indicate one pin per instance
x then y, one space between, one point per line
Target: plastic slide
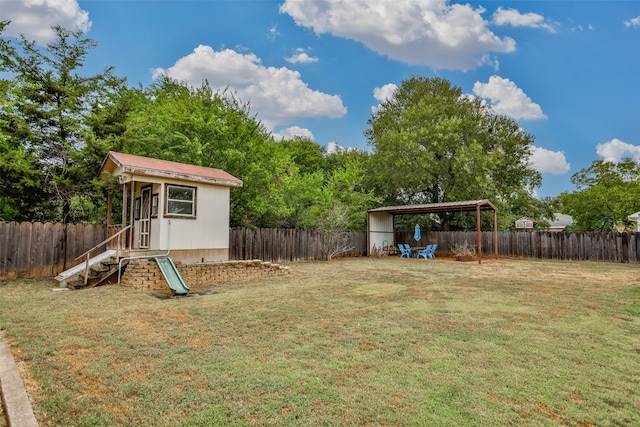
171 275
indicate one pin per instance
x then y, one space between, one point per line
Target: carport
381 221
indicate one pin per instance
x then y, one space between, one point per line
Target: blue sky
567 71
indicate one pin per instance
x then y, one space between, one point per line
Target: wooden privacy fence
576 246
282 244
37 249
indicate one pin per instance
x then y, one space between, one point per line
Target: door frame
145 217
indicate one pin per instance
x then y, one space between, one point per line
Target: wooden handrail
104 242
88 253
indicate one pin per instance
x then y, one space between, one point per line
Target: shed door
145 218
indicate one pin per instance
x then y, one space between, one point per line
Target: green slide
172 276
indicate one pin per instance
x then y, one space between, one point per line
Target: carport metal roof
464 206
470 205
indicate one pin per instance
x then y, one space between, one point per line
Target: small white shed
635 217
173 206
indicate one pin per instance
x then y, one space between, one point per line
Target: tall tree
607 193
432 144
49 106
173 121
19 174
306 154
322 185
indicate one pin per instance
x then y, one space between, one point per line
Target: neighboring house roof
634 216
525 218
561 220
138 165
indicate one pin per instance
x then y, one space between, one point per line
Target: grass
350 342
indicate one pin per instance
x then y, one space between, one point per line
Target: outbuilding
173 206
381 229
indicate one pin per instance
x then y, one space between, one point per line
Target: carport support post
479 234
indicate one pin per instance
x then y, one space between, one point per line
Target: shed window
181 201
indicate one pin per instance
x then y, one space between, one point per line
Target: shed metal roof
138 165
465 206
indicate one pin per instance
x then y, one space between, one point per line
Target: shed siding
210 228
380 230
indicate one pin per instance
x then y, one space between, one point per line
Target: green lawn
350 342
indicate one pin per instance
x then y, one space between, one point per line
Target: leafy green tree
307 155
171 120
322 185
18 171
19 174
304 199
47 105
606 194
432 144
347 186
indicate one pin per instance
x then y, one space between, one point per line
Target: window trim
137 209
154 205
167 200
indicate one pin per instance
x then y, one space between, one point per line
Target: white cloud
418 32
633 22
334 147
516 19
547 161
382 94
34 18
278 95
301 57
508 99
292 132
273 32
615 150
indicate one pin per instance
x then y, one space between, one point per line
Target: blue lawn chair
424 253
428 252
404 251
412 253
432 250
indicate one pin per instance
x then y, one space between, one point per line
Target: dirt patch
551 414
169 296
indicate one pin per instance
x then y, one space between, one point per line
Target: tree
432 144
334 229
319 181
346 186
171 120
307 155
47 105
19 175
606 194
